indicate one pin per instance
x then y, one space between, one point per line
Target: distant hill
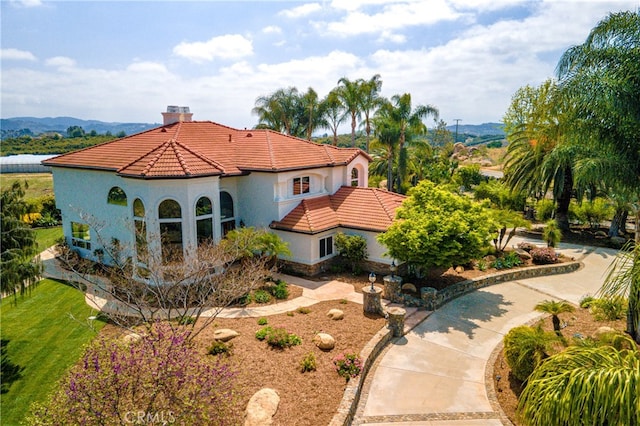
17 126
484 129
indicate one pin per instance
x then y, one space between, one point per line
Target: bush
187 320
218 347
261 296
551 234
609 309
308 363
500 195
262 321
594 212
303 310
544 256
468 176
263 332
352 248
586 301
525 348
544 210
280 290
508 261
348 365
279 338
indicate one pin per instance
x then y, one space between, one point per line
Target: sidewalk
435 374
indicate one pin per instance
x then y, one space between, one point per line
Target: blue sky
126 61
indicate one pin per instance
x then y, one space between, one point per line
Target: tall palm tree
387 135
583 385
333 113
554 308
312 115
600 77
408 122
350 94
279 110
370 101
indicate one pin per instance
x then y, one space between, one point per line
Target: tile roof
204 148
369 209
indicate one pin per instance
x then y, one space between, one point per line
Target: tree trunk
556 324
618 223
390 172
353 130
563 201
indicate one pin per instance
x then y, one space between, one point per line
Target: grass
45 340
47 237
40 184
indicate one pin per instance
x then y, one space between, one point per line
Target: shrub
308 363
525 348
262 321
261 296
544 256
468 176
280 290
594 212
348 365
482 265
551 234
280 338
352 248
544 210
187 320
263 332
508 261
609 308
343 301
586 301
218 347
303 310
500 195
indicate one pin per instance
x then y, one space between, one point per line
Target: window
227 218
301 185
170 218
80 235
326 246
354 177
117 196
204 220
140 229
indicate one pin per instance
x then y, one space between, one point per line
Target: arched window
227 218
140 226
170 218
355 181
204 220
117 196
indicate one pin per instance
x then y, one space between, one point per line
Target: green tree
333 114
551 234
554 308
370 101
584 385
312 114
279 110
350 94
437 228
75 132
18 269
600 79
353 248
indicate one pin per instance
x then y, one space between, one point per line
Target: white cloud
387 35
148 67
26 3
230 46
301 11
272 29
60 62
16 55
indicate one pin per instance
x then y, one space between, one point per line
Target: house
191 181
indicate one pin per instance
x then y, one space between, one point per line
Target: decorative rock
603 330
132 338
523 254
335 314
324 341
224 334
489 258
409 287
261 408
459 269
618 241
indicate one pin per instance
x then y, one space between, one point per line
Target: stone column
395 320
371 300
393 288
428 296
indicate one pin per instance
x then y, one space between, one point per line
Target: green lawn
44 340
40 184
48 236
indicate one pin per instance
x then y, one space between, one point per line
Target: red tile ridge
307 216
390 215
272 157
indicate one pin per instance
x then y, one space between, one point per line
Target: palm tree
387 135
279 110
600 77
370 101
351 96
583 385
312 114
554 308
623 280
333 113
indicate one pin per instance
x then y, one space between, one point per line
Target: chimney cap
178 109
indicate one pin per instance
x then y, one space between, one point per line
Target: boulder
409 287
617 242
523 254
224 334
261 408
489 258
131 338
335 314
324 341
603 330
459 269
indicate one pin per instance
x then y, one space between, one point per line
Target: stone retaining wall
349 404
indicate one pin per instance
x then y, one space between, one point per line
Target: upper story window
117 196
204 220
170 218
227 217
355 181
301 185
80 235
140 229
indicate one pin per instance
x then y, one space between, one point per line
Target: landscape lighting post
372 280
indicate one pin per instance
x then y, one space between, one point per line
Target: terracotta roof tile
350 207
198 148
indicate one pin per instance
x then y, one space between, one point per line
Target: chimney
176 114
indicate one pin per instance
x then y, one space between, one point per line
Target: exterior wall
256 205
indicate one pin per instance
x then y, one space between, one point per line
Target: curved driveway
435 374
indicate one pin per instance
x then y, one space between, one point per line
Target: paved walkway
435 374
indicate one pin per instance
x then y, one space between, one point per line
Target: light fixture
372 279
393 268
